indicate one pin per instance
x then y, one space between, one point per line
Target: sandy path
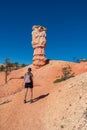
17 115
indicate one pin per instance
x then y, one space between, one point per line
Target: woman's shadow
40 97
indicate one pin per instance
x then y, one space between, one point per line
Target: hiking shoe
31 100
24 101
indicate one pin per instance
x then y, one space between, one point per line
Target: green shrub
67 73
2 68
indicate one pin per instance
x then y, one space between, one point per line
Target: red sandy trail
55 107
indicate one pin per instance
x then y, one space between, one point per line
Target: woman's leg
31 93
26 91
31 100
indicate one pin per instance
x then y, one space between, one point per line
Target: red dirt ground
56 106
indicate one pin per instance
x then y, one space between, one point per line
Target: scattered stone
62 117
70 105
59 90
80 97
62 126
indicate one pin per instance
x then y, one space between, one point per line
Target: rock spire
39 44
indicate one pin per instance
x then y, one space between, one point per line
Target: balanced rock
39 43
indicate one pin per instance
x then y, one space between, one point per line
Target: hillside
56 106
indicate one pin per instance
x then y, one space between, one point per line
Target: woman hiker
28 79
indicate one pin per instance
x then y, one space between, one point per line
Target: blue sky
65 20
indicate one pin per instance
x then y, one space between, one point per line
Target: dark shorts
28 85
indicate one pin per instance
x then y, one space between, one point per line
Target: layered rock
39 43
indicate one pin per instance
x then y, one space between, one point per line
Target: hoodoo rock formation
39 43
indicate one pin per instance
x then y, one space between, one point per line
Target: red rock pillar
39 43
